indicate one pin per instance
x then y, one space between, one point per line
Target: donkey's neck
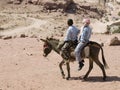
56 50
55 46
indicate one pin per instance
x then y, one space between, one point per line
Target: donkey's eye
47 50
45 45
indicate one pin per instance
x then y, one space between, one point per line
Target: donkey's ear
47 38
43 40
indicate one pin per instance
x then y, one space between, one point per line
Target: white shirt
72 33
85 34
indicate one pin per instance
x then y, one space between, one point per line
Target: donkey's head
47 48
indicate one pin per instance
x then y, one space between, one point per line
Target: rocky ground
22 65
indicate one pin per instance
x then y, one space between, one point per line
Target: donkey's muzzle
44 55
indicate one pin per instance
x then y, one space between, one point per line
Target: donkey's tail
103 58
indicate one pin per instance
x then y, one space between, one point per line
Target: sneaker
83 61
80 66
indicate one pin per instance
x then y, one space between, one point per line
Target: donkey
94 49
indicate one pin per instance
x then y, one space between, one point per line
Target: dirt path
23 67
35 23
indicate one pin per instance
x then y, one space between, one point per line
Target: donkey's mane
54 43
53 39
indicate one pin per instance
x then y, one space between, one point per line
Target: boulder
58 4
114 41
114 27
7 37
15 1
23 36
118 1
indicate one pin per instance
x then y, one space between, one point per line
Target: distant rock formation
47 4
51 4
63 6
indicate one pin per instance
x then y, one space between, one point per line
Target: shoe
83 61
80 65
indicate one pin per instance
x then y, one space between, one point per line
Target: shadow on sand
97 79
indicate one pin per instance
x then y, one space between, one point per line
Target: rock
51 4
101 43
62 4
114 41
15 1
1 36
1 29
114 27
98 27
6 37
33 36
10 1
29 54
118 1
22 35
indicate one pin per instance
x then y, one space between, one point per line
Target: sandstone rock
114 27
23 36
114 41
6 37
52 4
15 1
118 1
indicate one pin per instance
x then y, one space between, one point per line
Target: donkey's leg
61 69
68 70
101 66
90 68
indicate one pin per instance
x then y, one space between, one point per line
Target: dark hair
70 22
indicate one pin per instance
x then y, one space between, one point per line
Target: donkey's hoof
63 77
84 79
68 78
104 78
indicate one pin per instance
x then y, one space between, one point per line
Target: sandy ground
24 68
22 65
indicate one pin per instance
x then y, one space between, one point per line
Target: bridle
47 49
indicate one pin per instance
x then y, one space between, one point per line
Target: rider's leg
78 50
65 48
